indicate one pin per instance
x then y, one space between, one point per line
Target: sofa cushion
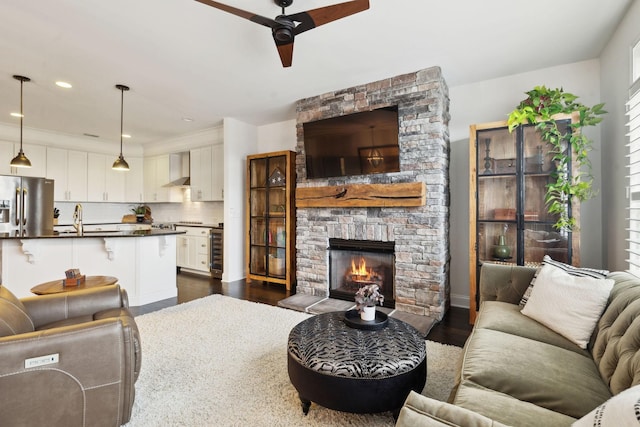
506 317
421 411
504 283
531 371
506 409
14 318
570 269
568 304
619 411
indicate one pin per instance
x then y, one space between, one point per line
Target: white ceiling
182 58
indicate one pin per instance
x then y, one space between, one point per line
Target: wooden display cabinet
270 246
508 218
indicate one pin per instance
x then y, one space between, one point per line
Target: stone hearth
421 234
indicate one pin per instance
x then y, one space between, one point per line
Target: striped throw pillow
570 269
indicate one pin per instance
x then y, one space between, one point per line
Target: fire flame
360 270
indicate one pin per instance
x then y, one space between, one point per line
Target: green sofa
515 371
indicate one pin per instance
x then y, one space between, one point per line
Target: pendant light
21 161
374 157
121 164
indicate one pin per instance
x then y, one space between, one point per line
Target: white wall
240 140
615 83
277 137
490 101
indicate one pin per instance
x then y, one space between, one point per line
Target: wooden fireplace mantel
362 195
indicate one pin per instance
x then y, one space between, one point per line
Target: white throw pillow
569 305
574 271
619 411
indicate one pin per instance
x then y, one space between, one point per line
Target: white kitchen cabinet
201 174
149 179
104 184
134 181
193 248
183 251
159 171
207 173
68 168
77 176
217 165
6 154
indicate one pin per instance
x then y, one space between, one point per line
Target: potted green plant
140 211
366 299
540 108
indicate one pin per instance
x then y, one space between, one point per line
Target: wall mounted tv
354 144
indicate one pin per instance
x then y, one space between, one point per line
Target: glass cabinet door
539 237
268 201
497 195
258 220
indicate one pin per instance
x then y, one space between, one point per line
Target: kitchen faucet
77 219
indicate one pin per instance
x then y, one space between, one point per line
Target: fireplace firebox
356 263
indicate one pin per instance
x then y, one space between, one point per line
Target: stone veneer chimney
421 234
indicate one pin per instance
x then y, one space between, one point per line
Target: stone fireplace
419 234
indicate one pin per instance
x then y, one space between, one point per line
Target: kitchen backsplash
206 212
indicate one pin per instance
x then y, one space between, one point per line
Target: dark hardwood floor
453 329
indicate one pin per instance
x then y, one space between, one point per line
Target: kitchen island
144 261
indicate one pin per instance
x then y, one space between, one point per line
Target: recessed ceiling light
124 135
64 84
17 115
187 119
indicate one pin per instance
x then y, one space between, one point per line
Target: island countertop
90 234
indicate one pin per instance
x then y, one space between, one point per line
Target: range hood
184 181
179 165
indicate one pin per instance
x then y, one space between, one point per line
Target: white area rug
220 361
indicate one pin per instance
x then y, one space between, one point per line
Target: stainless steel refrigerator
26 205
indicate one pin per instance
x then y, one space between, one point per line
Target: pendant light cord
21 113
121 115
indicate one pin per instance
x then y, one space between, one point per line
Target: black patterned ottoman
355 370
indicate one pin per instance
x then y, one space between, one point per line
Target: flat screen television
353 144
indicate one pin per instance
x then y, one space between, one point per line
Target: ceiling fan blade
285 50
323 15
267 22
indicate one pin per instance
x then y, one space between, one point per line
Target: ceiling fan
284 28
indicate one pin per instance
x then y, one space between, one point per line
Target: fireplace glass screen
356 263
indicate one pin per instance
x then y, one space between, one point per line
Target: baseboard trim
461 301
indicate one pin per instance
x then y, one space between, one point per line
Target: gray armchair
68 359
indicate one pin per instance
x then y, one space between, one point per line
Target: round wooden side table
57 286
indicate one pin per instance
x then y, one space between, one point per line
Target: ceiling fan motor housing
283 33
